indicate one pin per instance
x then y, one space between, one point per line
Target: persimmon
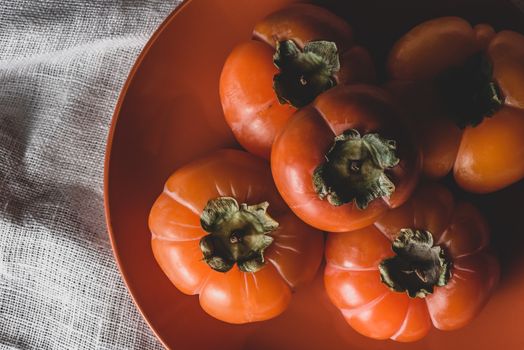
463 86
426 263
346 159
295 54
220 230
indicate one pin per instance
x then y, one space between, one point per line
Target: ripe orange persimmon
424 263
296 53
220 230
345 160
463 87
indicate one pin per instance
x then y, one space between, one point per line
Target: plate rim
108 152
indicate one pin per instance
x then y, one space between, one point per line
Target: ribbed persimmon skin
303 143
484 158
235 297
250 105
352 278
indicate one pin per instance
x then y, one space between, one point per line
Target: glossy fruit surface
484 157
250 103
307 138
292 258
353 280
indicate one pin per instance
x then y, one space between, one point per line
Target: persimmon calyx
304 74
418 265
354 169
469 91
237 234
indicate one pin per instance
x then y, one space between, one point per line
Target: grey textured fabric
62 66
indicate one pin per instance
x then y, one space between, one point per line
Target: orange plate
169 113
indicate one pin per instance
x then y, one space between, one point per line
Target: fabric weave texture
62 66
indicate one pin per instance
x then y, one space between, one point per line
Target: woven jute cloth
62 66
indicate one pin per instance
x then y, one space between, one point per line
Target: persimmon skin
235 297
492 153
506 51
436 135
352 278
435 46
304 23
484 33
430 48
251 107
301 147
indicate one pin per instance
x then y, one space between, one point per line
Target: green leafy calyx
469 92
355 169
418 265
237 234
304 74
